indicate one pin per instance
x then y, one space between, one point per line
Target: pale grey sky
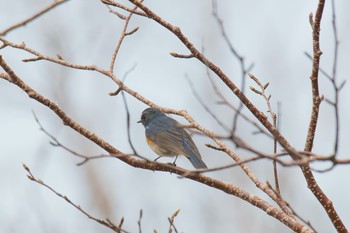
271 34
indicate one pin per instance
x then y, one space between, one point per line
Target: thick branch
312 184
154 166
183 113
259 115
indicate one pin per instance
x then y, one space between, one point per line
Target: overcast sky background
271 34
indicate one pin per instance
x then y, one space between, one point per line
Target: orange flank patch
149 141
152 145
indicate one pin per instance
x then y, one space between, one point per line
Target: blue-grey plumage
166 137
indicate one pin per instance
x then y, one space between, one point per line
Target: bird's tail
196 160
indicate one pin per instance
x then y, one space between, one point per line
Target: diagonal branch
57 143
225 101
312 184
116 4
255 111
171 222
106 222
229 188
240 58
136 95
24 22
122 37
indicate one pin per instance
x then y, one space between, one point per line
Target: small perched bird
166 137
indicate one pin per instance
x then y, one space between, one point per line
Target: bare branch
263 88
294 213
121 6
316 99
154 166
307 222
300 158
59 144
120 224
181 55
228 103
122 37
26 21
113 151
234 52
334 77
195 93
139 222
123 17
171 222
326 203
128 113
259 115
106 222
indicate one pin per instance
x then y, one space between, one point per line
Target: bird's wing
172 139
168 136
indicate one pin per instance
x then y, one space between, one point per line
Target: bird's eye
143 117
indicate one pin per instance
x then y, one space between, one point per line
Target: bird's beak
139 121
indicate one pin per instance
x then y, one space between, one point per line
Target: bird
167 137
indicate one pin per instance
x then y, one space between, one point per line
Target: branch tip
132 31
26 167
311 20
59 57
341 85
266 85
181 55
255 90
115 92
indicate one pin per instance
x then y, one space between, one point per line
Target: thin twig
153 166
275 173
293 212
225 101
335 104
106 222
36 15
177 55
112 150
274 157
121 6
334 77
254 110
259 115
127 111
139 221
274 122
123 17
329 77
307 222
57 143
240 58
171 222
121 38
120 224
195 93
